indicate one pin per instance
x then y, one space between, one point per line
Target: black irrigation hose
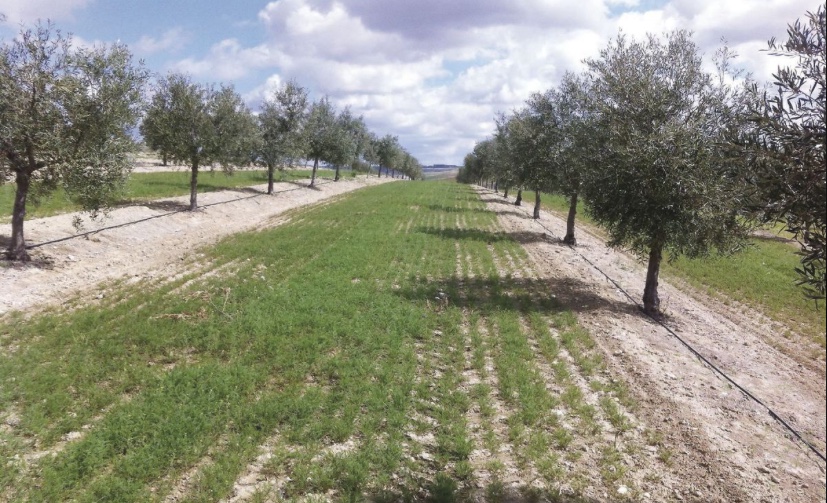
89 233
695 352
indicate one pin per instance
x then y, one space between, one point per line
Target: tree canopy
281 123
199 126
786 146
66 114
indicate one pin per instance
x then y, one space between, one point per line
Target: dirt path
152 247
708 423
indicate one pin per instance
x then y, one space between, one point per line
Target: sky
434 73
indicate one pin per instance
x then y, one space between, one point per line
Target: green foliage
198 126
280 123
660 180
786 147
65 120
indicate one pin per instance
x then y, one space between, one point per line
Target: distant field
441 174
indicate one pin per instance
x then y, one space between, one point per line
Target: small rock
437 333
764 469
426 457
623 490
775 479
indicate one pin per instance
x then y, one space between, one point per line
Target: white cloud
171 41
436 72
28 11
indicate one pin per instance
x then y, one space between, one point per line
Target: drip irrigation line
153 217
695 352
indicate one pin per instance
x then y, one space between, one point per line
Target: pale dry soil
719 437
142 242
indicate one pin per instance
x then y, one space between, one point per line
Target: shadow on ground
487 236
486 294
445 489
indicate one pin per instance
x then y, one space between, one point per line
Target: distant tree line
672 159
67 115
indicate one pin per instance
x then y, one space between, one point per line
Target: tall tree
200 126
65 120
280 123
661 181
786 147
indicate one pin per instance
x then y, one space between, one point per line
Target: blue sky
433 72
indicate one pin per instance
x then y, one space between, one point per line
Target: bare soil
720 437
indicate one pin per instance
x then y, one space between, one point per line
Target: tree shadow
487 236
488 294
166 206
249 190
442 488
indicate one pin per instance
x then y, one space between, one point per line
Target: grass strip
143 187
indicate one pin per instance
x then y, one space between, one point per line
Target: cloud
436 72
171 41
28 11
228 60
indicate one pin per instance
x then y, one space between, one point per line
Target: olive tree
388 153
65 119
351 142
565 139
322 135
280 123
660 181
199 126
786 147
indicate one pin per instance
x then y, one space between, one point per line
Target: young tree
786 147
280 123
322 135
65 120
200 126
565 139
661 181
353 134
388 152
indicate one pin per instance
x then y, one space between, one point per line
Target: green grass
148 186
762 276
342 340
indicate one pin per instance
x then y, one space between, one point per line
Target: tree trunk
651 301
270 169
313 176
17 247
496 186
505 193
570 239
536 204
519 201
164 159
336 178
379 170
194 186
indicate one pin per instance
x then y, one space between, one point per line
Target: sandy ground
142 241
711 424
